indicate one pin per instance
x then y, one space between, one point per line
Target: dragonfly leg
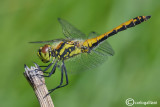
47 67
52 71
62 69
44 66
50 91
65 75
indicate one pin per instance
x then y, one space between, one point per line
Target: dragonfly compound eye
44 53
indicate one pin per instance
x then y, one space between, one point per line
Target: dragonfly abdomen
131 23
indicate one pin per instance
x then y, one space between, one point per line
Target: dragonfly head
45 53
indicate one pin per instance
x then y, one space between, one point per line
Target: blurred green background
133 72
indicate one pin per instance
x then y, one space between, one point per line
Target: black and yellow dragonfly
77 44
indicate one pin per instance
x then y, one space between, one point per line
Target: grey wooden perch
38 84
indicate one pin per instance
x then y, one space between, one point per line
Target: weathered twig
33 75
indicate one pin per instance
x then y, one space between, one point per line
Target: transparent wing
90 60
70 31
84 62
50 41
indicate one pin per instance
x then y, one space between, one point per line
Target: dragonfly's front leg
47 67
52 71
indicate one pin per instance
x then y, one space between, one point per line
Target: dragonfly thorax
45 53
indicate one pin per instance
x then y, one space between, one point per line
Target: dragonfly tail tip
148 17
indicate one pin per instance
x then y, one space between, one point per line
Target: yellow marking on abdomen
131 23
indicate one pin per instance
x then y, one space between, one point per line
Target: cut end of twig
33 75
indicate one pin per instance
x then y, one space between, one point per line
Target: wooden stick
33 75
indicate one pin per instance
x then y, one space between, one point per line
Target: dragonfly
92 49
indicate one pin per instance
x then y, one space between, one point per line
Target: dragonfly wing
84 62
104 48
50 41
70 31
